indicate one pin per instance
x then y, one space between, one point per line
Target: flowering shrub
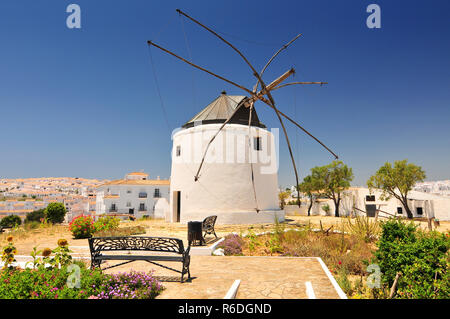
132 285
49 278
106 223
82 227
46 283
232 245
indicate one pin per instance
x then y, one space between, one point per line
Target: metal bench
173 246
208 226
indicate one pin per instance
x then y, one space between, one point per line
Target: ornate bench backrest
208 222
162 244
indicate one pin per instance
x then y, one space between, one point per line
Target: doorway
177 206
131 211
371 210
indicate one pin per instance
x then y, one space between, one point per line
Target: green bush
82 227
55 213
10 221
420 257
106 223
35 216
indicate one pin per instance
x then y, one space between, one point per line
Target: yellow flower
46 252
62 242
9 238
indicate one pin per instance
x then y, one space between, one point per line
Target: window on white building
142 195
141 207
128 204
157 193
178 150
419 210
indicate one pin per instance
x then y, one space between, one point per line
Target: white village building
360 201
135 194
224 187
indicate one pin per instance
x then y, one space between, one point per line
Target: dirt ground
261 277
48 237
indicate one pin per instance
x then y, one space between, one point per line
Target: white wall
224 186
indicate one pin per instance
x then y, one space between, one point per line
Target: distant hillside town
441 188
21 196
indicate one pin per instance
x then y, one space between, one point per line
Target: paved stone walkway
261 277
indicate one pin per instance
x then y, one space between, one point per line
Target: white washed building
224 187
135 194
360 201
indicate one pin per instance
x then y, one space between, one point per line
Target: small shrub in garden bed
10 221
82 227
232 245
106 223
132 285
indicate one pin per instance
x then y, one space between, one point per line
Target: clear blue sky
84 102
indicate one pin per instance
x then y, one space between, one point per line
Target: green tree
55 212
397 181
309 187
282 196
332 180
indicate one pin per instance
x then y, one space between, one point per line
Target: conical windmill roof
219 110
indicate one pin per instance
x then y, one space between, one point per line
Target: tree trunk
336 207
310 205
408 211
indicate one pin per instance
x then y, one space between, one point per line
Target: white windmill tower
226 187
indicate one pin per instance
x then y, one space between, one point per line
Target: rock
218 252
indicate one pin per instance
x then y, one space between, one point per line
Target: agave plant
364 228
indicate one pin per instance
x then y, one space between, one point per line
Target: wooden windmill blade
284 47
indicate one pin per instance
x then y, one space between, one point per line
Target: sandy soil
48 237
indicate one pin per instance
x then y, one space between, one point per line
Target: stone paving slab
261 277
